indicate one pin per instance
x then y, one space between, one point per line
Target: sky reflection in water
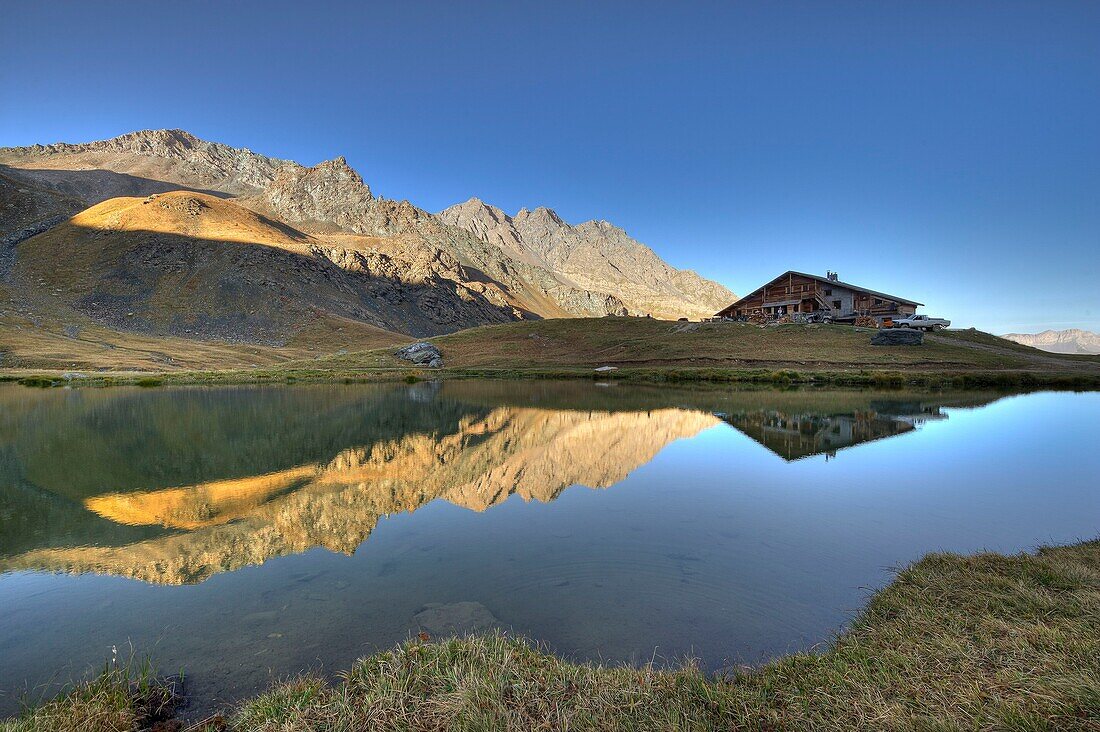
248 533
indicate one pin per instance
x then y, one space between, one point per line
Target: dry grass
121 699
656 350
646 343
642 342
987 642
642 349
58 337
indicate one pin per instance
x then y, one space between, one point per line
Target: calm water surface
249 533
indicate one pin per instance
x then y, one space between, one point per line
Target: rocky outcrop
421 354
455 618
329 193
897 337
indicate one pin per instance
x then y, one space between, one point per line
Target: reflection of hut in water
793 436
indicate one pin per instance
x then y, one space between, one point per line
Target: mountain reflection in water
173 486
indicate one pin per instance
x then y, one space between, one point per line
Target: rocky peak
187 159
597 257
476 210
331 192
540 216
490 225
338 166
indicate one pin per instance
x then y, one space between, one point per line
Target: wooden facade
794 293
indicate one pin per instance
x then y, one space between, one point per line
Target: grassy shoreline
1008 379
983 642
642 350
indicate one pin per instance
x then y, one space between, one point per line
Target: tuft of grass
149 382
123 698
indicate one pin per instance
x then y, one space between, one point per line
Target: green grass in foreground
987 642
121 698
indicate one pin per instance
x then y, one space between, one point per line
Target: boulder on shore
897 337
421 354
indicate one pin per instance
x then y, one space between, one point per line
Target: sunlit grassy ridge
987 642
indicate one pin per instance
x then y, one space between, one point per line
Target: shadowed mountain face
436 273
173 486
187 263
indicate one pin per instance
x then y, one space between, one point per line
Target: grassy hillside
987 642
39 331
189 265
637 345
644 342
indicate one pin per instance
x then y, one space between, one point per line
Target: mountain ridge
593 255
1070 340
533 265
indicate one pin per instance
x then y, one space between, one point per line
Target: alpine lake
247 534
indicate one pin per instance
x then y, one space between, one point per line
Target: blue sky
947 152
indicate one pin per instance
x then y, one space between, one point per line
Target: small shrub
40 382
889 380
783 377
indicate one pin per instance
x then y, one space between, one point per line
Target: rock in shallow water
456 618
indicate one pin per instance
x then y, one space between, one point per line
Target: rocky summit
593 257
232 266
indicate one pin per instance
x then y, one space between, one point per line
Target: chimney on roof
832 276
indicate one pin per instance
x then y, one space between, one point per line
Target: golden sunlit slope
194 266
191 214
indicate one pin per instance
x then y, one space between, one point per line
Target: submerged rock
421 354
456 618
897 337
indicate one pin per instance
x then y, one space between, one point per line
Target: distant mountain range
143 233
1060 341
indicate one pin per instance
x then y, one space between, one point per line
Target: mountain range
162 234
1073 340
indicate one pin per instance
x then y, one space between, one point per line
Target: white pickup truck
921 322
